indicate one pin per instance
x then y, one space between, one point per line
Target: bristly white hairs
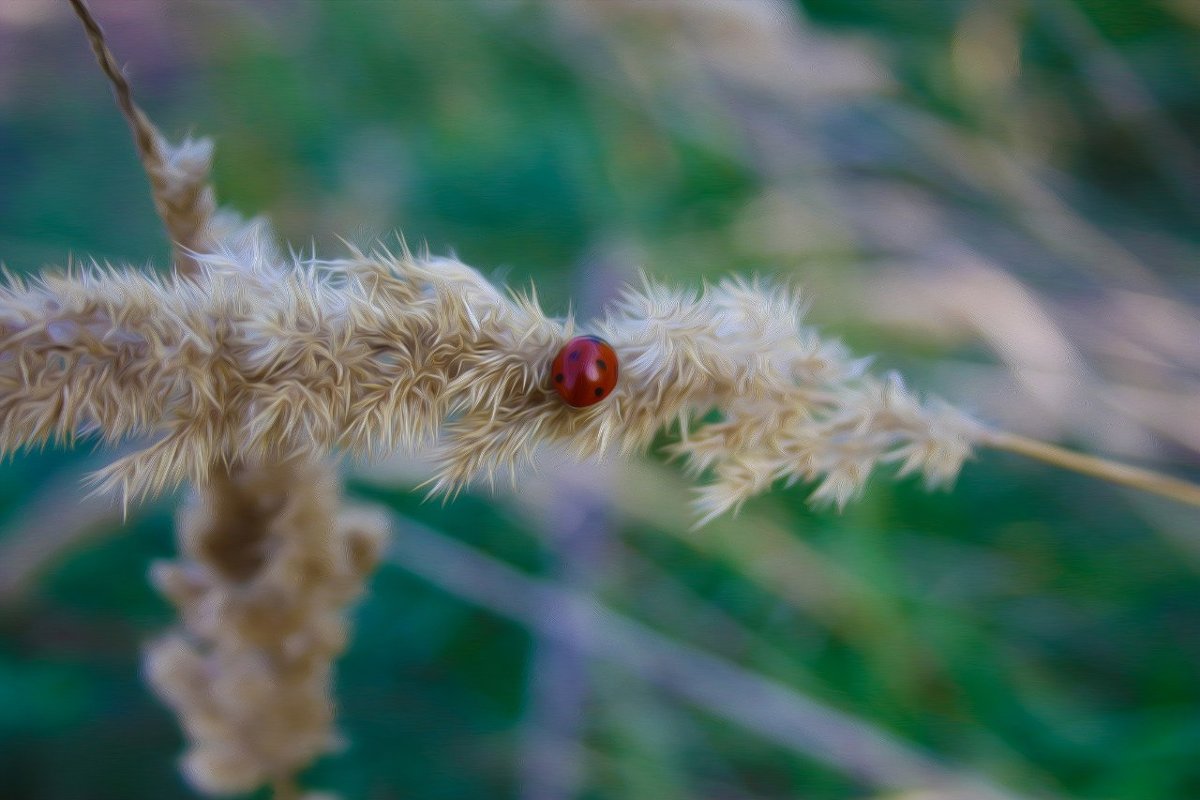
255 359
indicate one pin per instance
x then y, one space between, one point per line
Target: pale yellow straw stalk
1124 474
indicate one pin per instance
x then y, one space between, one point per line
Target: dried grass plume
265 575
256 359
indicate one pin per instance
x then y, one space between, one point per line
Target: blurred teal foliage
1033 626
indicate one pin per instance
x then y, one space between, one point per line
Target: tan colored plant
266 572
260 361
250 369
270 560
256 359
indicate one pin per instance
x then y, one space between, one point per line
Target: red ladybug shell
585 371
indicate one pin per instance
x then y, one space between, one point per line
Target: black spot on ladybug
559 377
600 363
599 391
574 355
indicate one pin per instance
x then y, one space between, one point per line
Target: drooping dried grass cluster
265 575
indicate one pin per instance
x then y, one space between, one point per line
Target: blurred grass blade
778 713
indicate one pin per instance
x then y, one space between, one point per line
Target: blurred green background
998 198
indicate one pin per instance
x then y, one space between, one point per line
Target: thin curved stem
1124 474
144 133
178 175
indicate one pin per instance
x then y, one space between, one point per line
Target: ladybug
584 371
